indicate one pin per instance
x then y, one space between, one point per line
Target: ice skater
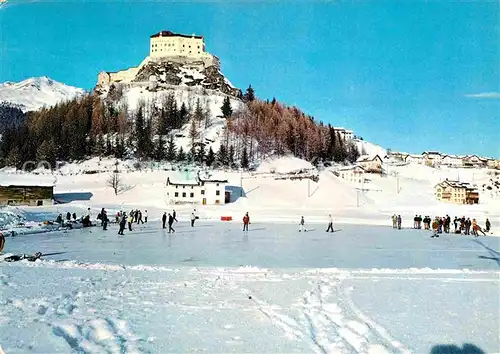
145 216
399 222
174 215
394 221
488 225
170 223
164 220
123 222
476 229
301 225
193 219
246 221
104 219
130 220
330 224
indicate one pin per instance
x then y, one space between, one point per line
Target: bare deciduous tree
115 182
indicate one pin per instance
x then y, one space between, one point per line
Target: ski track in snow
94 318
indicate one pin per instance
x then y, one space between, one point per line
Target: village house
26 190
474 161
432 158
452 161
493 163
351 174
456 192
196 191
414 159
371 164
345 134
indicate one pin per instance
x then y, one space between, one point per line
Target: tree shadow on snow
467 348
494 255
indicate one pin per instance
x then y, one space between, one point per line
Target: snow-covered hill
369 149
36 92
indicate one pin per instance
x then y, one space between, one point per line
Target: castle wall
191 47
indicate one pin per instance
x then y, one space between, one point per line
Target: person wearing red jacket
246 221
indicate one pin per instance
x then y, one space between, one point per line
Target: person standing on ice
488 225
164 219
193 218
123 222
170 223
130 220
415 222
394 221
104 219
139 218
145 216
246 221
301 225
399 222
174 215
330 224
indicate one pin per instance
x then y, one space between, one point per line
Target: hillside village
178 76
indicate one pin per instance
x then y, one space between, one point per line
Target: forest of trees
87 127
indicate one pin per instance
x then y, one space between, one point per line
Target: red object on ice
226 218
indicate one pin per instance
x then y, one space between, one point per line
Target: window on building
217 184
217 192
184 195
176 194
191 195
202 192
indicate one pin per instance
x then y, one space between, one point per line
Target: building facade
351 174
474 161
456 192
26 194
371 164
344 133
452 161
415 159
196 191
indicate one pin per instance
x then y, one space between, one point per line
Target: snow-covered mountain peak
36 92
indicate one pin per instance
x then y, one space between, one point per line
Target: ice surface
214 288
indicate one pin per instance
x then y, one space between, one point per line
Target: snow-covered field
213 288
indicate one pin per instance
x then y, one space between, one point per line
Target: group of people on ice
171 218
439 225
246 222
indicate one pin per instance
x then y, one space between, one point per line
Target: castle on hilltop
166 46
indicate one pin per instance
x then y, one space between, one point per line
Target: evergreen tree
201 154
249 94
181 155
46 152
244 158
193 134
226 109
99 145
183 117
159 150
109 146
222 156
210 157
198 112
171 149
352 152
120 147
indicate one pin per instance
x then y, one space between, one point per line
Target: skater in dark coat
330 224
399 222
164 219
74 216
139 218
123 222
174 215
68 216
104 219
301 225
488 225
170 223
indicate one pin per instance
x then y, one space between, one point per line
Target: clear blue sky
409 75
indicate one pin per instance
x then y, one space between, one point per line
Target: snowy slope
37 92
370 149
